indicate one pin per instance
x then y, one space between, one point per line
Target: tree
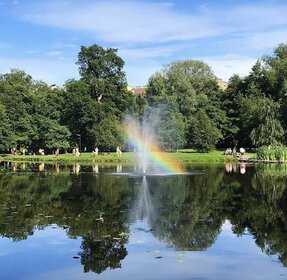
80 112
260 124
6 139
51 135
230 104
276 73
157 92
203 133
102 70
269 131
190 81
170 126
14 89
107 134
189 85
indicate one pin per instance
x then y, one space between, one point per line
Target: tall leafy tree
231 98
269 131
169 125
260 124
80 112
190 81
102 70
6 139
14 89
203 133
190 86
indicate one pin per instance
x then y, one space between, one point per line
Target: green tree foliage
33 111
168 125
203 133
157 92
6 137
14 89
260 125
94 106
107 134
80 112
251 112
102 70
256 104
231 103
52 135
190 81
190 86
269 131
37 116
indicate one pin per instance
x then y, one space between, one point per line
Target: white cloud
138 71
149 52
264 40
225 66
259 16
160 32
124 21
139 21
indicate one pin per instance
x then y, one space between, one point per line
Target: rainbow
149 151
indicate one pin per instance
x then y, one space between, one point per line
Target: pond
95 222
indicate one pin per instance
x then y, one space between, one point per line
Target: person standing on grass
118 151
57 152
234 151
242 151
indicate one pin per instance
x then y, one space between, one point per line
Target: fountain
143 210
152 161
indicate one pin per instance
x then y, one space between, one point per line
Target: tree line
192 110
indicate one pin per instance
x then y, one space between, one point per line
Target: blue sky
44 37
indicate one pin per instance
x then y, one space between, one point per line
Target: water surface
74 222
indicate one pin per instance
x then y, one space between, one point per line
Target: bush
274 153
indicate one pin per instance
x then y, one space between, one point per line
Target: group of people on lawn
75 151
233 151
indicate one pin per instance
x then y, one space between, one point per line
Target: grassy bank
187 156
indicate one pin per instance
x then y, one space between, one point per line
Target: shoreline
184 157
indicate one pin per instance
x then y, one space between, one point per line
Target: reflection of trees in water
261 209
98 255
271 181
271 227
92 207
24 201
189 209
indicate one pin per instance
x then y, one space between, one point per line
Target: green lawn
187 156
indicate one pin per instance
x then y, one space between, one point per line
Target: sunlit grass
185 155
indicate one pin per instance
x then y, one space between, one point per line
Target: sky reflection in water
58 216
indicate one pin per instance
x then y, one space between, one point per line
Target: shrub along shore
185 156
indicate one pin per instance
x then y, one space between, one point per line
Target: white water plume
143 209
141 135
